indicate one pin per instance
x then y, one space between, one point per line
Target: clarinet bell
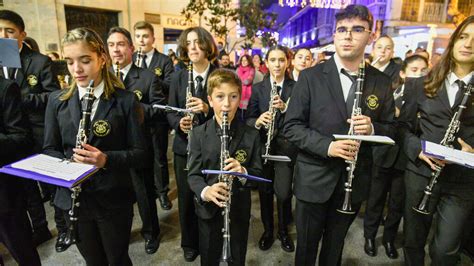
347 204
423 206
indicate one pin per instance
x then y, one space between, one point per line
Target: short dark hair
356 11
223 54
32 44
13 17
413 58
123 31
282 48
205 42
220 76
140 25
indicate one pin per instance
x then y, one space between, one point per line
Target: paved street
170 252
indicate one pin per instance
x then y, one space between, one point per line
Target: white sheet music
54 167
448 154
372 138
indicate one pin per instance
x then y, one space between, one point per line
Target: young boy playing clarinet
224 92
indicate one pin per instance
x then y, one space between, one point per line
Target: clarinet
81 137
189 95
138 60
448 139
270 127
226 255
351 165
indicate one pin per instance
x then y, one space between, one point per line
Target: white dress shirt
452 87
97 93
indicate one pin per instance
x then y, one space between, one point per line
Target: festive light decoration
336 4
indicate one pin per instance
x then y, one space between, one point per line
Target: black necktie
11 73
460 92
122 78
351 94
199 89
279 90
144 62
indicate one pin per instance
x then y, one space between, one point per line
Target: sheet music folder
367 138
51 170
448 154
9 53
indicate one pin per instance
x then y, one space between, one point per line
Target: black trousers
384 180
468 239
210 231
104 234
142 180
321 220
160 149
35 205
60 216
15 233
188 219
452 202
266 191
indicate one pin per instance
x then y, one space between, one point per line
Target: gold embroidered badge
372 102
241 156
158 72
101 128
139 94
32 80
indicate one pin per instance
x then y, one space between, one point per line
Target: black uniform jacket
393 71
149 90
177 98
391 155
15 140
387 156
205 154
163 68
259 103
317 111
36 82
435 114
120 138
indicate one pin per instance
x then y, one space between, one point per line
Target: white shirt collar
382 68
452 77
124 70
97 90
203 74
278 84
339 65
295 75
149 55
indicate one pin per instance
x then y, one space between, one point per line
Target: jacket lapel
75 108
335 88
238 133
443 96
131 77
25 64
369 86
154 61
102 110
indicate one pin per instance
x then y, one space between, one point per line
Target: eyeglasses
355 31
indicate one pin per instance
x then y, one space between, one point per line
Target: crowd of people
287 104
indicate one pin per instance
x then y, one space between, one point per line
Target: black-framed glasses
356 30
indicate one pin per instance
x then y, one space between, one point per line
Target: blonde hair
96 45
220 76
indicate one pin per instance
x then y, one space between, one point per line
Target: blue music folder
250 177
9 53
50 170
